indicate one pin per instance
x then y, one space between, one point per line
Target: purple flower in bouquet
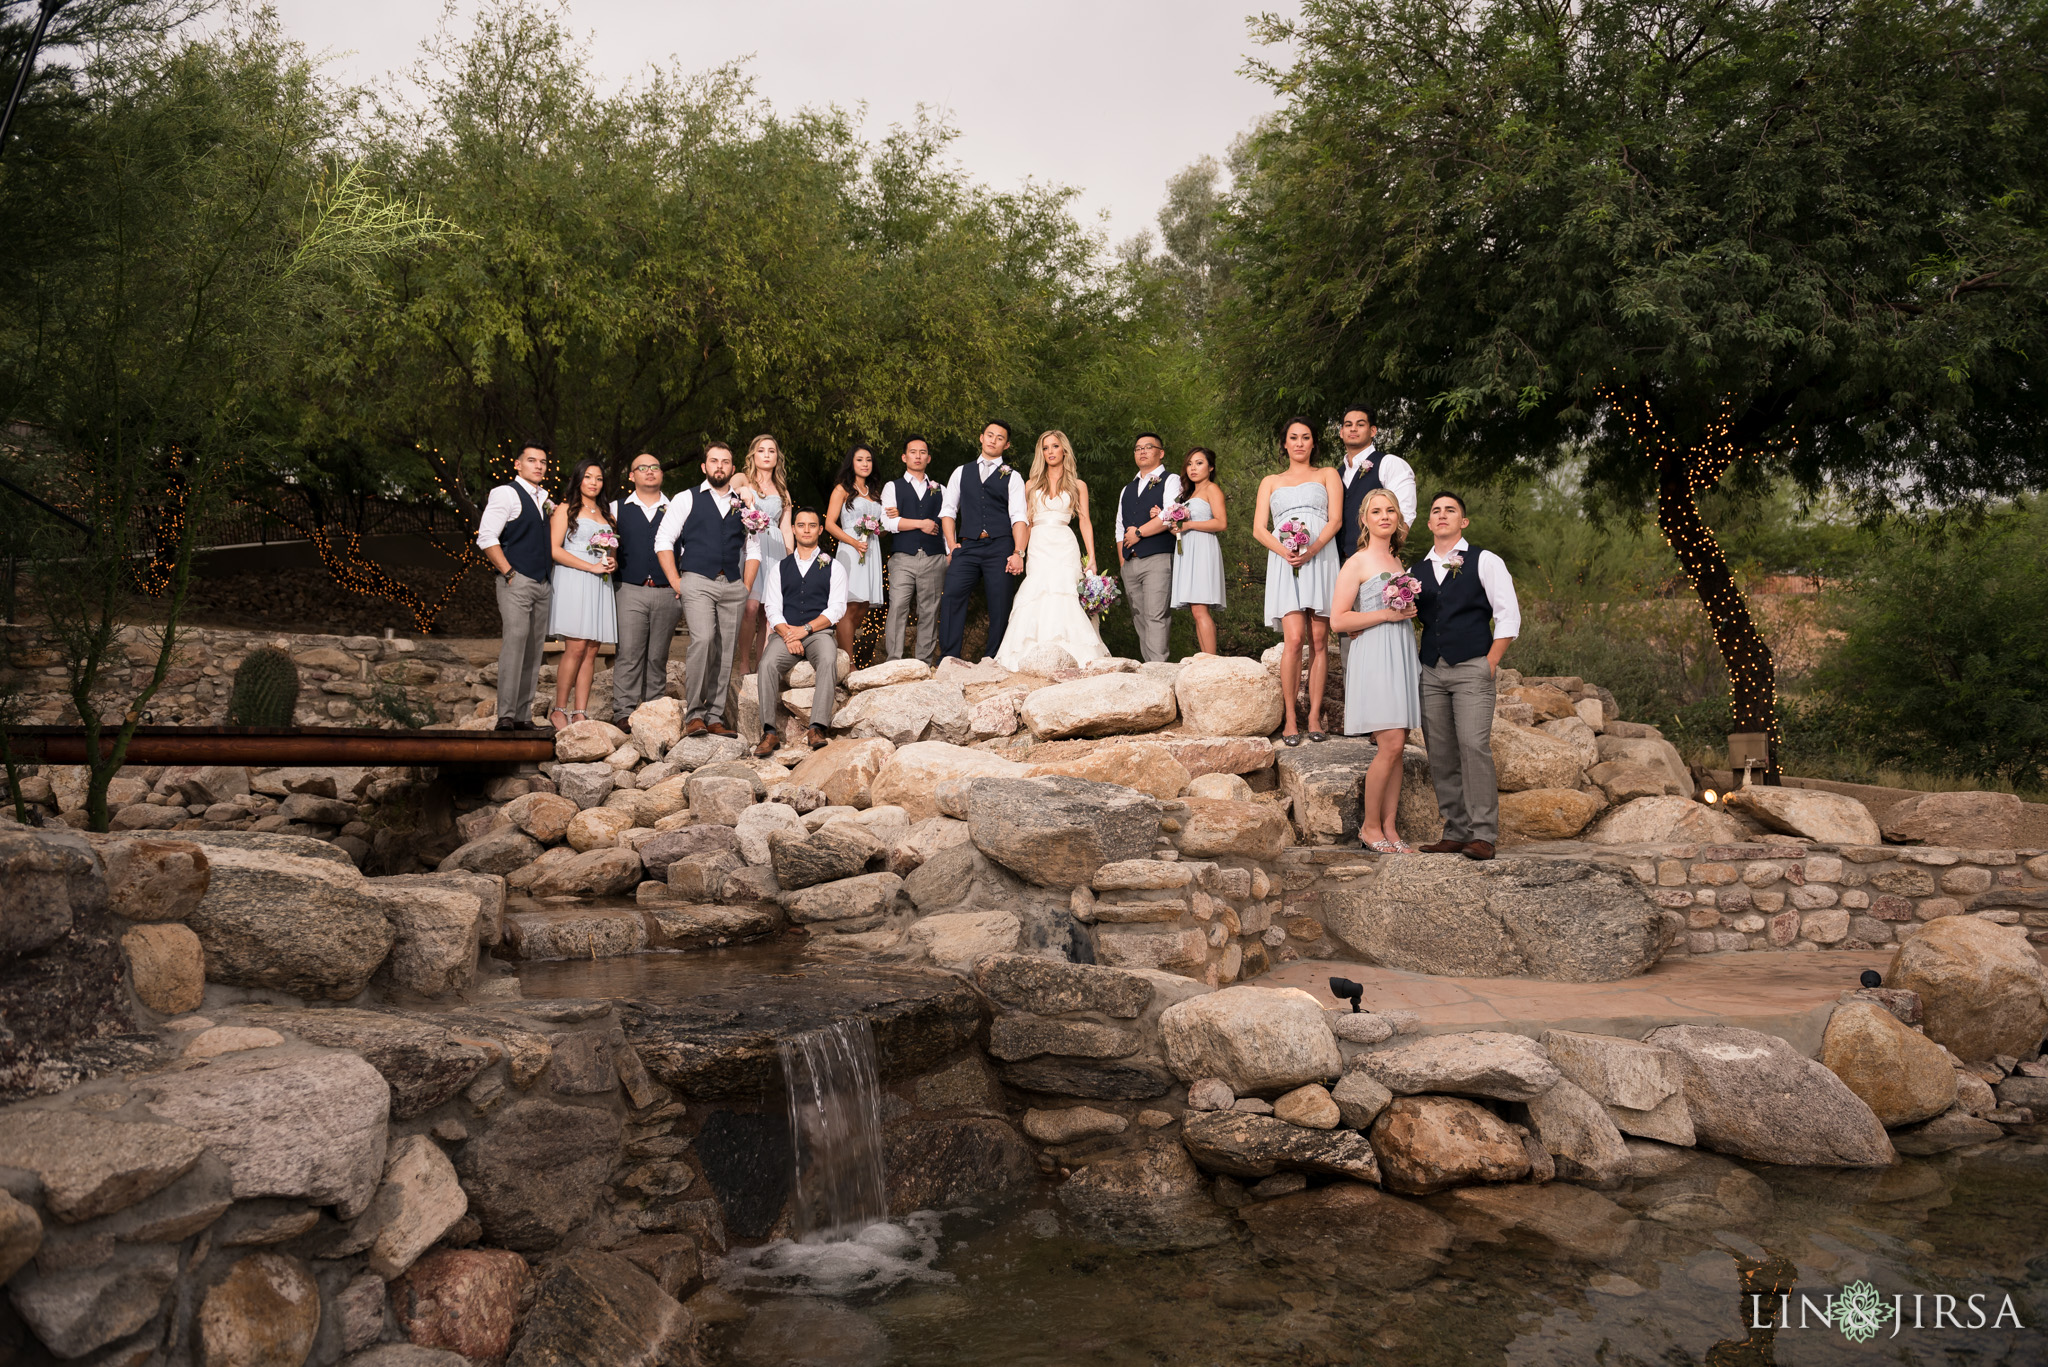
605 542
1399 592
755 521
1176 519
1294 537
1097 592
869 526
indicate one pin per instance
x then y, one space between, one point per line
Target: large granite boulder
961 939
308 1128
537 1170
1808 813
1667 820
1578 1134
582 742
656 725
1641 1086
1651 750
595 873
1561 920
844 771
1227 695
437 934
665 849
154 880
1983 991
1546 814
1056 832
1525 758
912 776
304 926
493 854
1430 1143
1755 1096
1354 1233
940 1164
1481 1063
1256 1039
597 1309
89 1165
1152 1197
1972 821
1216 827
1049 987
805 859
1151 769
1902 1075
1105 705
423 1061
1240 1144
544 816
906 713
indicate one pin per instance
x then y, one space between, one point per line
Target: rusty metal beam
295 745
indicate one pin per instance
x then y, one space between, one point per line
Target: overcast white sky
1110 96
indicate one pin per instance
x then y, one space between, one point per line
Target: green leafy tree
1704 244
174 218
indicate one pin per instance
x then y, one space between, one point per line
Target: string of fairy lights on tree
1752 674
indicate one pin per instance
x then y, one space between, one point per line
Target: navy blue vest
1137 504
805 595
1362 483
1457 618
908 504
713 546
984 513
637 527
526 542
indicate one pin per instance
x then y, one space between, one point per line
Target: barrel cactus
266 690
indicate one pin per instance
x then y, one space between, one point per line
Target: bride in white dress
1048 604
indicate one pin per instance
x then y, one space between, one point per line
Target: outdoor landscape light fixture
1348 990
1710 797
1872 978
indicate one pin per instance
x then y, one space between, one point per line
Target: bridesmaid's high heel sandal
558 712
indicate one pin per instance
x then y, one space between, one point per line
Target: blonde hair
1400 535
753 480
1035 487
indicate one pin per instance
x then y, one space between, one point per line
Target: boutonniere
1454 562
1005 470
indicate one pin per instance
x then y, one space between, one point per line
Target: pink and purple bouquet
1097 592
1399 592
1294 537
755 521
1176 519
869 526
605 542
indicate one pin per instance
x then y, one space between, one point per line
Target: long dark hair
847 475
572 492
1187 481
1315 436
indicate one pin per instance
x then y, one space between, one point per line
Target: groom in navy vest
513 535
1366 468
1469 617
986 532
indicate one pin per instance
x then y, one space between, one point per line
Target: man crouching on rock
804 598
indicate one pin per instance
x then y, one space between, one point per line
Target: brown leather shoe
1443 847
818 739
770 743
1479 849
694 727
719 728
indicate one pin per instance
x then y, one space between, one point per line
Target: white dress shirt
1397 476
949 506
502 506
660 502
892 501
1499 586
835 601
679 513
1169 494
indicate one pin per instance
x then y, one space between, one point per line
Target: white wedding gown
1047 609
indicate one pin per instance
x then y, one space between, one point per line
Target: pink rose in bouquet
605 542
1176 519
869 526
1294 537
1399 592
755 521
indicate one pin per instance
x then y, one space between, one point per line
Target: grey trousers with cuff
1457 726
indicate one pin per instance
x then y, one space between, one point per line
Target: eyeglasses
643 469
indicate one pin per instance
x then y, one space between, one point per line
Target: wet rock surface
1357 1233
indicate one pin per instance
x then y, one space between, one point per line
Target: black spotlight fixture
1872 978
1348 990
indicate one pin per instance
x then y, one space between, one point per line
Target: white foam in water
879 1257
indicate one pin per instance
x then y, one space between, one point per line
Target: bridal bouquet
1295 537
869 526
1097 592
1176 519
605 542
755 521
1399 592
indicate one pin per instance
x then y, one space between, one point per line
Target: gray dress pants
711 613
647 627
777 660
523 622
919 579
1148 584
1457 726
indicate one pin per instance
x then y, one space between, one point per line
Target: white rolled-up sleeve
1500 594
949 503
1397 476
1017 512
1118 535
892 507
500 508
771 600
835 597
671 527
